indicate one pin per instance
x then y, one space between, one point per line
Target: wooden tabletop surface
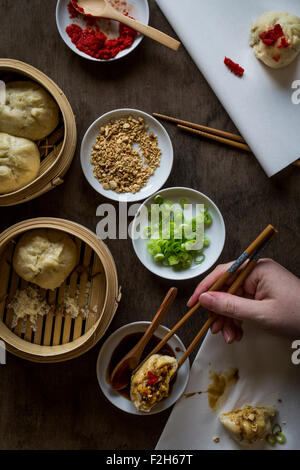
60 406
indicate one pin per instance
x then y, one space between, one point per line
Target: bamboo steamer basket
58 337
56 162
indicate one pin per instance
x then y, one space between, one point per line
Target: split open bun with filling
249 424
29 111
45 257
275 38
151 382
19 162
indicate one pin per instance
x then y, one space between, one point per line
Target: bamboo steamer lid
55 164
58 337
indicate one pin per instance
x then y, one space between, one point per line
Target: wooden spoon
121 374
102 8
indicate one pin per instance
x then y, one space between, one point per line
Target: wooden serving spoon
121 374
102 8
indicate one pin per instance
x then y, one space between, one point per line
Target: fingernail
189 302
227 336
207 300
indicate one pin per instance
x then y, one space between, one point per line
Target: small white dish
105 356
139 10
216 232
161 174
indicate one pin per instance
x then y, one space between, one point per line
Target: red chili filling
72 11
272 35
233 67
283 43
276 58
94 42
76 7
152 379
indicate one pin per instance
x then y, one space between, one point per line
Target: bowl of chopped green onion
178 234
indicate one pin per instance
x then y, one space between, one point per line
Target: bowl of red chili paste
100 39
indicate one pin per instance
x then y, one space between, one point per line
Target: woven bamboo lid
56 162
58 337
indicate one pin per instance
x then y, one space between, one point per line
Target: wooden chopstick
239 281
200 127
216 138
265 235
211 133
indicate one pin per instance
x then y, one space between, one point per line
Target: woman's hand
270 297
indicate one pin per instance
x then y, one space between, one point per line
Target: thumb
231 305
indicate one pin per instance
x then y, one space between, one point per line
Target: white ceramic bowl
161 174
105 356
139 10
216 233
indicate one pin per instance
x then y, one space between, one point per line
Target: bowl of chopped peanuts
126 155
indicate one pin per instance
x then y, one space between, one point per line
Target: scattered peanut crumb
279 400
283 422
118 165
216 439
29 303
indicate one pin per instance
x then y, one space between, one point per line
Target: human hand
270 297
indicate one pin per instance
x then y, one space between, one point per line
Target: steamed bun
29 111
45 257
19 162
151 382
249 424
276 53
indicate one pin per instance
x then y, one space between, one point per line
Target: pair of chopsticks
210 133
252 253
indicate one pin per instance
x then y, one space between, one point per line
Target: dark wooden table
60 406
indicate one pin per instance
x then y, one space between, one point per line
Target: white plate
161 174
216 233
139 11
105 356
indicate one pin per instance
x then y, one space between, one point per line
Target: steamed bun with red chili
275 38
151 383
29 111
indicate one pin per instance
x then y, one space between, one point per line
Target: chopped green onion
174 240
200 258
271 439
147 232
207 218
206 241
276 428
184 201
173 260
168 203
186 264
280 437
158 199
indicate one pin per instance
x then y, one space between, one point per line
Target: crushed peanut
118 165
28 303
216 439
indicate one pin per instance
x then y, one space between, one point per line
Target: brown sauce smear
125 346
220 381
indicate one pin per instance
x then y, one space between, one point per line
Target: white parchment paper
266 374
260 102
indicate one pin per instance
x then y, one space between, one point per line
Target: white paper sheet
259 103
266 374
